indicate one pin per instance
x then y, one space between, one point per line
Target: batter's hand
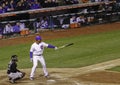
31 59
56 48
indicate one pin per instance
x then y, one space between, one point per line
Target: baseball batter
36 54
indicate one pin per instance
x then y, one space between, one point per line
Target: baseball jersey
37 49
12 67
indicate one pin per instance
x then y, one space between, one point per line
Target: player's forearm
31 54
51 46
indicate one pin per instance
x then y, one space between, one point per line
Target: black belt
37 54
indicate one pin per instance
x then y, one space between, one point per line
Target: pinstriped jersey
38 49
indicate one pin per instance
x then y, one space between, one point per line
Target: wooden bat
66 45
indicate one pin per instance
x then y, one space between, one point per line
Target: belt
37 54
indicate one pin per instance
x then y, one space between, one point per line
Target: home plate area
66 76
54 79
57 77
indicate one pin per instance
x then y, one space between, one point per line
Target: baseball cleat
31 78
12 81
47 76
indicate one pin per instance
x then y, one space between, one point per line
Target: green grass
87 50
117 68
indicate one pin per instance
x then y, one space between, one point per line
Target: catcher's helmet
14 58
38 38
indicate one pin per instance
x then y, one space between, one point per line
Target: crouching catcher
13 73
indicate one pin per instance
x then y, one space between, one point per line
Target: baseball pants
35 63
15 75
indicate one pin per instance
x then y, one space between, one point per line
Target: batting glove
56 48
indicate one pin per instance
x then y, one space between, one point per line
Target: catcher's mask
14 58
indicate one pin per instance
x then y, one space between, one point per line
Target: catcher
13 73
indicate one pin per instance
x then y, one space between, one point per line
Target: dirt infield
90 75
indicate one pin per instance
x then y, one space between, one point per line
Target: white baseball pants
35 63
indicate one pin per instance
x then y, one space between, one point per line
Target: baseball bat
66 45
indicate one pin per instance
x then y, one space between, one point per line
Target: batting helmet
14 58
38 38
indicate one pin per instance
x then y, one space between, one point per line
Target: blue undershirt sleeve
51 46
31 54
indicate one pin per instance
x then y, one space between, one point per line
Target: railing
53 9
99 17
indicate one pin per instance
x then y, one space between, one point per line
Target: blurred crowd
86 16
10 29
19 28
19 5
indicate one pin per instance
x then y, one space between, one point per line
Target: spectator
19 7
11 5
50 3
81 20
35 5
26 4
62 22
16 28
4 8
8 30
73 20
22 26
36 25
90 19
44 23
22 4
23 30
1 10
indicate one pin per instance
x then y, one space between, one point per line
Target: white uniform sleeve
44 44
32 48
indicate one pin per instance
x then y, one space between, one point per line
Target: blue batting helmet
38 38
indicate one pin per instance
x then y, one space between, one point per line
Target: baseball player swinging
36 54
